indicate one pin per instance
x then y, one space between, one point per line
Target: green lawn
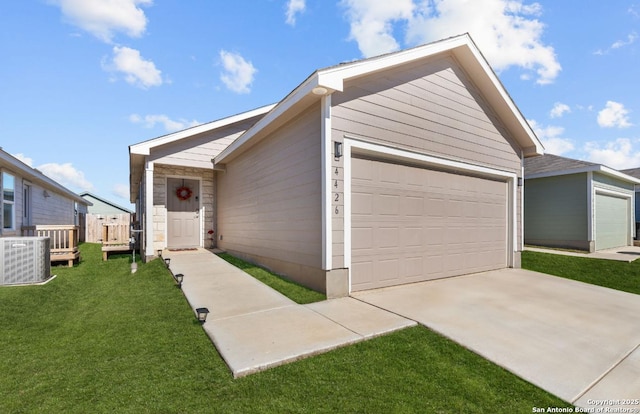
608 273
292 290
98 339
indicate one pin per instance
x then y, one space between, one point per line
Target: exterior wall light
337 150
202 314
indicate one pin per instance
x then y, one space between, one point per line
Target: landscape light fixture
167 261
178 279
159 252
202 314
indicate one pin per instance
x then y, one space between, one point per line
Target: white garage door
612 222
412 224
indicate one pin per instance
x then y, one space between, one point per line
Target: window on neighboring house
8 200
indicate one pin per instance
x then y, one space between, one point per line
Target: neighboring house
30 198
389 170
103 211
577 204
635 173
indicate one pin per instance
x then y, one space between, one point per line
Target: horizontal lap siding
269 198
197 151
430 108
556 209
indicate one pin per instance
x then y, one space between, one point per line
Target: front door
183 213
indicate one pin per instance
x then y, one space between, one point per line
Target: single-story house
30 198
103 211
635 173
577 204
389 170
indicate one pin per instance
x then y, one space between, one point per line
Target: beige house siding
269 201
197 151
207 202
430 107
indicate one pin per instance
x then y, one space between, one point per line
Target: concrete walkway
621 254
578 341
255 327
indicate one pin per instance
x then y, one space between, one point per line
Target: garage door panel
423 224
612 221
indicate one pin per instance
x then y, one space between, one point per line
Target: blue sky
81 80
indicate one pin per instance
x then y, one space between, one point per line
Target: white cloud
238 74
104 18
67 175
631 39
371 23
24 158
137 71
170 125
614 115
294 7
618 154
551 138
507 31
121 190
559 109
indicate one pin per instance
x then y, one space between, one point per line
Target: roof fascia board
590 168
283 106
335 76
471 57
144 148
461 47
37 176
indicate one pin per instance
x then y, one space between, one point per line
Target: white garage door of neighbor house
412 224
612 221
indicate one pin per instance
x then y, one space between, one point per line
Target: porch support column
148 209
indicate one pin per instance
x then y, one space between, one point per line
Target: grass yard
608 273
290 289
98 339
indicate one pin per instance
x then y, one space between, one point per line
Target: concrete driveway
578 341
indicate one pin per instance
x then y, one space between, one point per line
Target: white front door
183 213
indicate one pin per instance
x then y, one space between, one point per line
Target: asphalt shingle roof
551 163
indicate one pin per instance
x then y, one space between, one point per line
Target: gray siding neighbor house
389 170
635 173
577 204
30 198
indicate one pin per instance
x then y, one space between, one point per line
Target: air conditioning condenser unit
24 260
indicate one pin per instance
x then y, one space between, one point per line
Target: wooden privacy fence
63 240
116 237
94 222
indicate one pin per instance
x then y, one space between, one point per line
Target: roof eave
603 169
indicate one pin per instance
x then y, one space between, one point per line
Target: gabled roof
138 152
634 172
144 148
550 165
87 194
18 167
332 79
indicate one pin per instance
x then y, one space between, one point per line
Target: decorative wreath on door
184 193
